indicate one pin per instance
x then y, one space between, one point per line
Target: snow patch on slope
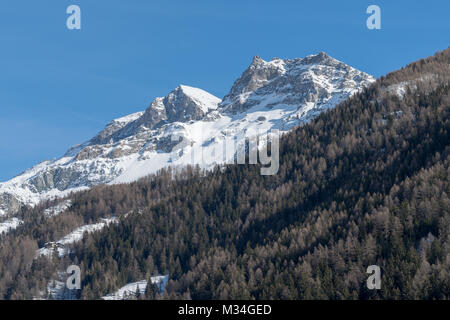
61 245
59 208
129 118
130 289
9 225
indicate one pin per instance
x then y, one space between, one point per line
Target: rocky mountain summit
175 129
315 83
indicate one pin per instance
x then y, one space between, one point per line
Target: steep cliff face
175 129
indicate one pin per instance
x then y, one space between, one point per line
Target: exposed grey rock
315 79
8 203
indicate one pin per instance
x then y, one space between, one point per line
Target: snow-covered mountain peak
259 62
320 57
191 101
175 129
182 104
297 82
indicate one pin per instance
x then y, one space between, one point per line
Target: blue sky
58 87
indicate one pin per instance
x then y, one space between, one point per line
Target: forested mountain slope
362 184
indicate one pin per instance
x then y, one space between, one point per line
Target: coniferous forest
366 183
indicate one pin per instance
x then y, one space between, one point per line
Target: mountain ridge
277 94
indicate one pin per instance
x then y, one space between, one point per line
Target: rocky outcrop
316 79
8 204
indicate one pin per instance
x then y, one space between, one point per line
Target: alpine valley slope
173 130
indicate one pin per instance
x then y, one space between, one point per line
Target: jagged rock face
278 94
316 79
154 114
257 75
183 107
8 203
